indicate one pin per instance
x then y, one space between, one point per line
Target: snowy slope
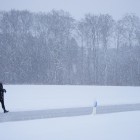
114 126
36 97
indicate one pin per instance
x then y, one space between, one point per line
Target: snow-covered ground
122 126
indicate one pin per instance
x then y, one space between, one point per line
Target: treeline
54 48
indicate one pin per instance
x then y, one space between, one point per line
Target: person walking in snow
2 90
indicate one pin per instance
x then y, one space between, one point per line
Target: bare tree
106 26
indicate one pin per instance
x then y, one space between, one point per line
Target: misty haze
55 48
70 69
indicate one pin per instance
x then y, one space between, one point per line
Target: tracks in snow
42 114
66 112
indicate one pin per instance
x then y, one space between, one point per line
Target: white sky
77 8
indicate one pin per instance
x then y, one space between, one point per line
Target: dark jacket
2 92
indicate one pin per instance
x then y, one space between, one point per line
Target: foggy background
85 43
78 8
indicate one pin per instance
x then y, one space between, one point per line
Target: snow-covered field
115 126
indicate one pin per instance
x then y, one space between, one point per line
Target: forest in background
54 48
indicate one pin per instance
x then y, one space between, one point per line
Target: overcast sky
77 8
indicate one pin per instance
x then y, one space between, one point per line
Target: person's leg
3 106
1 103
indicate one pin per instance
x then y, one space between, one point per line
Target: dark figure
2 97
